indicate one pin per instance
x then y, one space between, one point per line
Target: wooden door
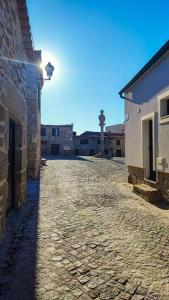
55 149
151 154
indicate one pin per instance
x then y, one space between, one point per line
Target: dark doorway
11 166
55 149
91 152
76 151
118 153
152 173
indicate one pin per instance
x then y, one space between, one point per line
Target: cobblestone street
84 235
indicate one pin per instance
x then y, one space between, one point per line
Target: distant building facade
117 128
19 88
57 139
88 143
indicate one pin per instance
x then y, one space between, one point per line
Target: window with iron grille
55 131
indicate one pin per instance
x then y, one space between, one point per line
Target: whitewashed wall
145 93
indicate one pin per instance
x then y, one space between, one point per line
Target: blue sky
96 46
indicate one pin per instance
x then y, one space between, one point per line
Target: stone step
148 193
151 183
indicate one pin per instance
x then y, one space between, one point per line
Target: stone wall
137 176
3 157
114 147
110 145
163 184
64 140
15 52
85 149
12 105
34 105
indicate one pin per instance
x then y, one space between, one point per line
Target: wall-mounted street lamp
49 71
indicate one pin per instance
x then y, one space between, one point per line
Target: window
55 131
164 108
43 131
84 141
118 142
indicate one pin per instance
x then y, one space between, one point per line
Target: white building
116 128
147 123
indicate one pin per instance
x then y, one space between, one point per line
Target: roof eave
163 50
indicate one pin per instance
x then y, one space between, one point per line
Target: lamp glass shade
49 70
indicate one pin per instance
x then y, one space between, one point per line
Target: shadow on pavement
119 161
162 205
18 249
56 157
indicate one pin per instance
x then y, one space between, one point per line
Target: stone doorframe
144 143
20 163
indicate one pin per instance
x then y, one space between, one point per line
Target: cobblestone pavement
89 237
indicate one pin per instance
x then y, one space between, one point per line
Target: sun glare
48 57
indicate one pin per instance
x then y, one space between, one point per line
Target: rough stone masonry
18 88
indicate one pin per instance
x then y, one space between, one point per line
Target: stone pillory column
102 124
